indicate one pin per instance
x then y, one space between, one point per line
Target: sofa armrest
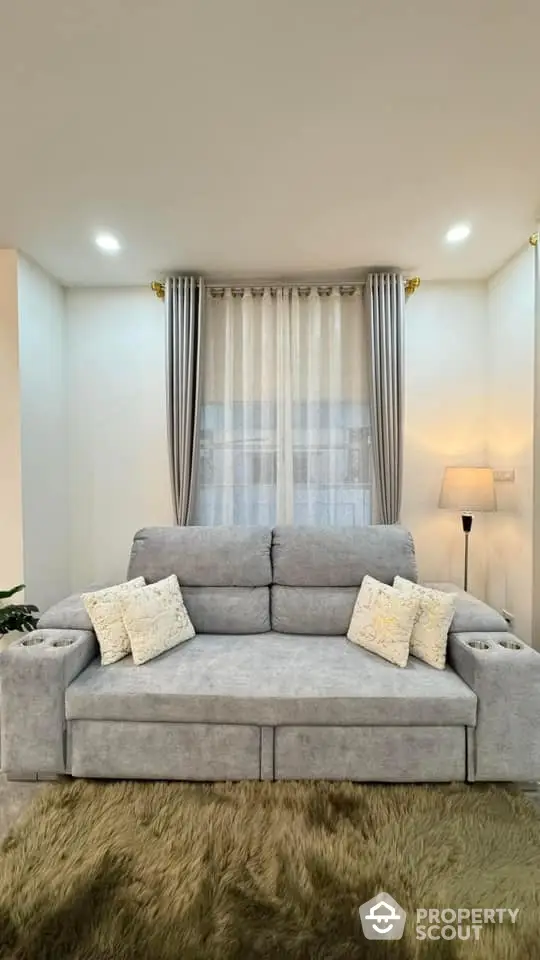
35 672
471 613
70 612
505 675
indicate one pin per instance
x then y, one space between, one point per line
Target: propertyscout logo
382 918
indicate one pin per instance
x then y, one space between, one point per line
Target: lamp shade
468 489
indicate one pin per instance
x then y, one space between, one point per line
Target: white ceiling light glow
458 234
107 242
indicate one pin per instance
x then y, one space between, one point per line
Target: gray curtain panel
386 302
184 305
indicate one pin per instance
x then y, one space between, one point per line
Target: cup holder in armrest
31 641
478 644
510 644
62 643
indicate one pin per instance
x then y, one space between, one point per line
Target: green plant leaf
17 617
5 594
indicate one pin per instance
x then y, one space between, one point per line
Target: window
285 432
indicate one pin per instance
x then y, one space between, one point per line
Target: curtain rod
411 284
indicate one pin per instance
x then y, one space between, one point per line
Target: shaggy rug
171 871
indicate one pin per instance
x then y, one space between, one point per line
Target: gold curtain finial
411 285
159 289
533 239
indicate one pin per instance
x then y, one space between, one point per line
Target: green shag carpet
172 871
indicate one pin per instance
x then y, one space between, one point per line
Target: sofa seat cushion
271 679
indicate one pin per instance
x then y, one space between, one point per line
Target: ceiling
249 138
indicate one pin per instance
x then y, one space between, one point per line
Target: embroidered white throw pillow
156 619
103 608
435 613
382 621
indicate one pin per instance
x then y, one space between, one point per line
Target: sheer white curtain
330 404
285 433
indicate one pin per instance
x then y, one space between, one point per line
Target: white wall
445 422
45 486
118 463
11 536
510 436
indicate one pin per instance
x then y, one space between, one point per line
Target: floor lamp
470 490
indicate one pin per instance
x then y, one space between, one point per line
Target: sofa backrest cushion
321 611
224 573
341 556
318 572
211 610
228 609
203 556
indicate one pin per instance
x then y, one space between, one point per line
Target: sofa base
371 754
196 751
163 751
36 777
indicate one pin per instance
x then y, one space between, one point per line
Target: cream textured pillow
103 608
382 621
435 613
156 619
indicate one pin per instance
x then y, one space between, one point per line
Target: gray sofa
270 688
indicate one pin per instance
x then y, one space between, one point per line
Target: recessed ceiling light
107 242
459 233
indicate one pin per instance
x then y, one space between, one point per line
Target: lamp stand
466 522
